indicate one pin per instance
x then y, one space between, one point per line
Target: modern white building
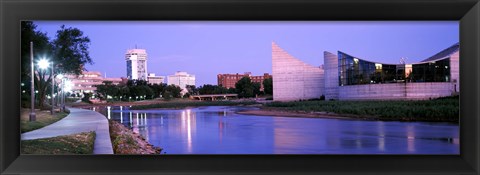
152 79
346 77
181 79
136 64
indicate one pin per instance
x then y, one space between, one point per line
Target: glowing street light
44 64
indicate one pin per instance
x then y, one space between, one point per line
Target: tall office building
136 64
181 79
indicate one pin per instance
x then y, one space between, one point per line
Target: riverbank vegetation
125 141
81 143
43 118
441 109
135 90
191 103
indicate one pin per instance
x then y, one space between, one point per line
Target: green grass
43 118
81 143
180 104
441 109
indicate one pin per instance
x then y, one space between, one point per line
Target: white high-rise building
136 64
181 79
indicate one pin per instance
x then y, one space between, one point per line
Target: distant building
86 81
229 80
181 79
136 64
152 79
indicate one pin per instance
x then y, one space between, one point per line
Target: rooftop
444 53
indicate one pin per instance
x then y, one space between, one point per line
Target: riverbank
125 141
191 103
117 103
444 109
280 113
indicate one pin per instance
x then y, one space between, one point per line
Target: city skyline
207 49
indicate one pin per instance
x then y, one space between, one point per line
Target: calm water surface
219 130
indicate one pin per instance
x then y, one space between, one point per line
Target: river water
219 130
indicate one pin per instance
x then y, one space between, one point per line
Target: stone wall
293 79
454 70
391 91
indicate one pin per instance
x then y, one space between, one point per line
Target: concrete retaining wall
396 91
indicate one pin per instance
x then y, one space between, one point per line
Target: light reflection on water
219 130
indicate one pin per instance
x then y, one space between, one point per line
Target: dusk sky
206 49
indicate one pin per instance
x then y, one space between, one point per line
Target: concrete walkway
79 120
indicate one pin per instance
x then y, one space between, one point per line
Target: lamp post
60 76
44 64
32 116
53 86
63 94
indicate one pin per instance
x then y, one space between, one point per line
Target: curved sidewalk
79 120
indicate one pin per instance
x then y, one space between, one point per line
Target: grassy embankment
442 109
125 141
81 143
191 103
43 118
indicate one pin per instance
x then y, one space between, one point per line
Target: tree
231 91
212 89
158 89
268 86
192 90
41 47
256 88
172 90
245 88
71 51
68 53
124 92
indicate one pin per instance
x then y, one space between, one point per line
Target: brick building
229 80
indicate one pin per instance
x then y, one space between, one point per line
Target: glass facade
129 69
354 71
437 71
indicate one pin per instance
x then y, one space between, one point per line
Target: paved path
79 120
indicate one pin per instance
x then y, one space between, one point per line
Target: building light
355 60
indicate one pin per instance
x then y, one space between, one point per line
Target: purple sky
209 48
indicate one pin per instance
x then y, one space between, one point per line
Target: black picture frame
466 11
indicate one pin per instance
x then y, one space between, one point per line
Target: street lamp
44 64
59 93
32 116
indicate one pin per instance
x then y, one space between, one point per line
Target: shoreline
126 141
326 115
322 115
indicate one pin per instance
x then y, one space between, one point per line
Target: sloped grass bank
445 109
81 143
